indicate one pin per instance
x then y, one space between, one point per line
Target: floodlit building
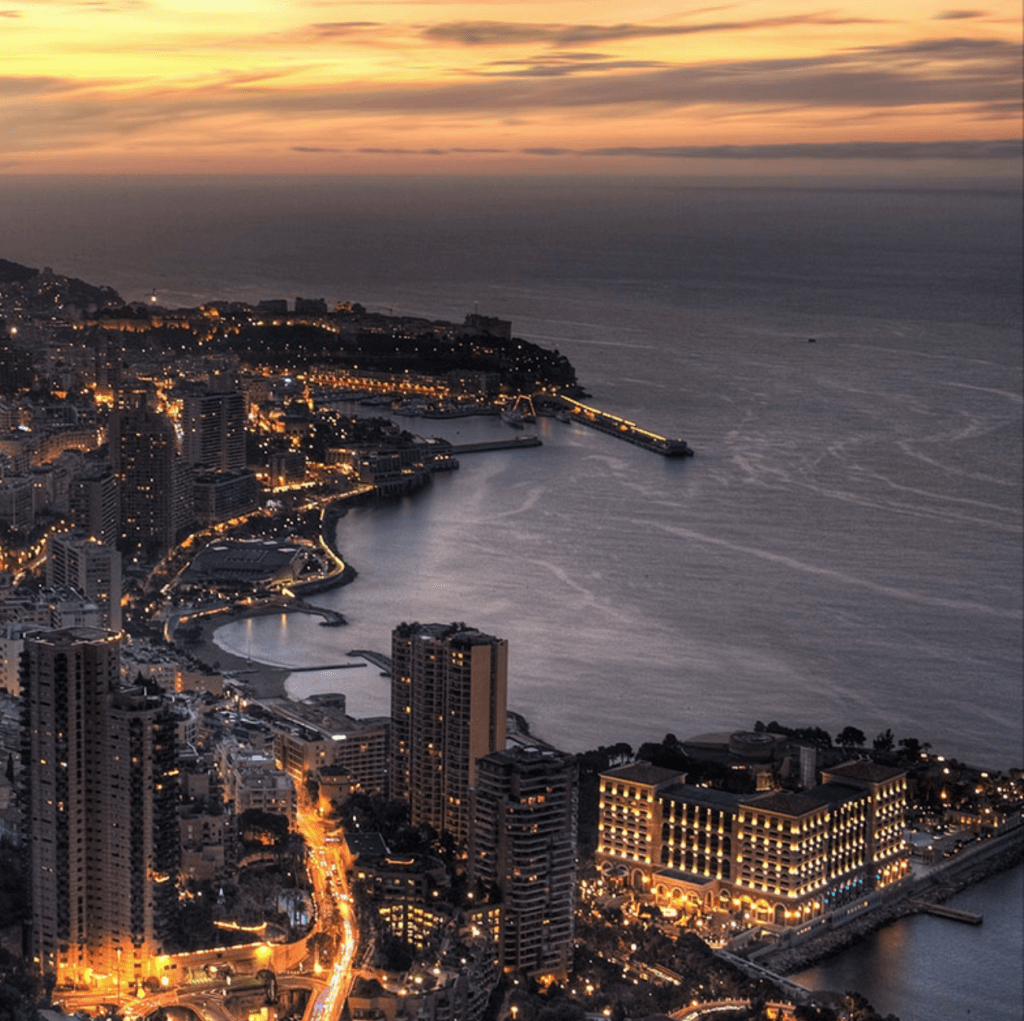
777 858
448 702
101 809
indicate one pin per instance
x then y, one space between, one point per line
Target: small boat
513 417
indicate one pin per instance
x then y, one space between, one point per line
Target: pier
513 444
625 430
954 914
326 666
378 659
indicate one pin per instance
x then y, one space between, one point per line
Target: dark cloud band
984 149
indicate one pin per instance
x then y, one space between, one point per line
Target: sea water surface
845 548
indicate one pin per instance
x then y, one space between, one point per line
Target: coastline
262 680
983 859
995 855
267 680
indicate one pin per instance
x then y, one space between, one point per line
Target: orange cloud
241 87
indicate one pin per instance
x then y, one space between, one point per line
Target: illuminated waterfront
845 547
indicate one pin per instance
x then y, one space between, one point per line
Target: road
328 862
330 982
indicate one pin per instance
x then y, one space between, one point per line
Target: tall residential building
94 507
523 840
73 558
449 686
154 481
101 808
214 430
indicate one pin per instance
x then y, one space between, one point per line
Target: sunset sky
324 86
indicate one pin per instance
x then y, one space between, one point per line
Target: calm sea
845 548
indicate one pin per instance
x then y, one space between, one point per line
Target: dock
954 914
622 428
326 666
378 659
515 443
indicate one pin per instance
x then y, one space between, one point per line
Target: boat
513 417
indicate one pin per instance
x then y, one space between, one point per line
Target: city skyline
327 86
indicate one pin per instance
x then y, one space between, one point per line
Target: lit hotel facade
779 858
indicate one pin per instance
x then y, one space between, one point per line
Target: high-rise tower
154 480
449 686
523 841
94 506
101 802
73 558
214 430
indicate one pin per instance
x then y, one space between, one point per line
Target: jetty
622 428
941 911
378 659
325 666
517 442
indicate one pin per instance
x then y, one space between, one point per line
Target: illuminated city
196 846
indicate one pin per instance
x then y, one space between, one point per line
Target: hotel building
778 858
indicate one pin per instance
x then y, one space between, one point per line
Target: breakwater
622 428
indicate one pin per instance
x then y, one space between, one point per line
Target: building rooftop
74 634
836 793
246 560
866 772
526 753
645 773
707 796
784 803
366 845
458 634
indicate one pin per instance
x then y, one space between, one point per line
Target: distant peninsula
308 333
